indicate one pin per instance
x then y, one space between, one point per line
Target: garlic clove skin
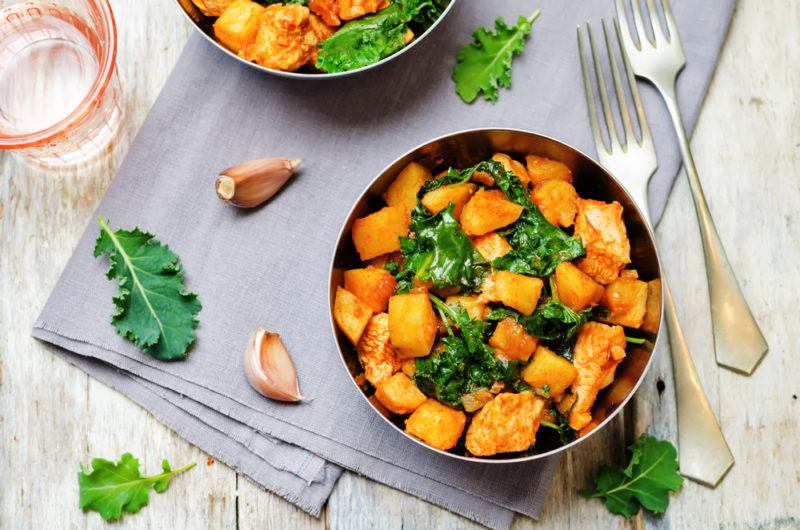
250 184
269 368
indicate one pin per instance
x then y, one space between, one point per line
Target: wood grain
747 149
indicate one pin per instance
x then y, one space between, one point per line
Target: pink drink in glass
59 94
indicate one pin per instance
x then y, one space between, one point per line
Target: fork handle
738 341
704 453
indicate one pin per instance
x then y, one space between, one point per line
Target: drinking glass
60 97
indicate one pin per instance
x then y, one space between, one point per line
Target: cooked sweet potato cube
575 288
477 399
238 24
514 290
437 425
412 324
475 306
491 246
372 286
457 194
652 313
512 341
379 233
399 394
375 352
557 200
541 169
629 273
350 314
379 406
626 299
408 366
487 211
507 424
547 368
403 191
513 166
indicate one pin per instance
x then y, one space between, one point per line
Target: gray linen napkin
268 267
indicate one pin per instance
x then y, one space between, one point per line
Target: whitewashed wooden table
747 148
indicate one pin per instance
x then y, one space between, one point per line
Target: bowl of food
315 39
495 295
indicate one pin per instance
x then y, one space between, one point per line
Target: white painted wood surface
747 148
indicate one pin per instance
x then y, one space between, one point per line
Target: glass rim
107 62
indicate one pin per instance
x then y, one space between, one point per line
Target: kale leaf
646 481
551 321
439 252
111 489
153 308
369 39
464 364
485 64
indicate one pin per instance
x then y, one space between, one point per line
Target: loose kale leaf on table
439 252
111 489
647 480
154 310
485 65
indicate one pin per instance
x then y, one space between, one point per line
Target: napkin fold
269 267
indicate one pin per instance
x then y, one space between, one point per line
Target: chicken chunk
598 351
350 9
507 424
211 8
602 231
375 352
287 38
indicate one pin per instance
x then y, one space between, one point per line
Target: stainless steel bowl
203 24
462 149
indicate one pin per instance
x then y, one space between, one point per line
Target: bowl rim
483 460
299 75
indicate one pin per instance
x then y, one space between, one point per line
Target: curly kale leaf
649 477
112 489
154 310
551 321
369 39
439 252
485 64
465 363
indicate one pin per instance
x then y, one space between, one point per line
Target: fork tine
587 87
639 23
621 101
622 16
655 22
637 101
601 87
671 26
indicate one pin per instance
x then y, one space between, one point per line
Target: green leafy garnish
439 252
111 489
466 363
154 310
485 65
369 39
647 480
551 321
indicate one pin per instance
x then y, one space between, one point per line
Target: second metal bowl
591 180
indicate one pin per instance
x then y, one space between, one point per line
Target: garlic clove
269 368
251 183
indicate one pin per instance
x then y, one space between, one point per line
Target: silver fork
738 341
704 454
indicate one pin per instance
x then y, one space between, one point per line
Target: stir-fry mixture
319 35
492 301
